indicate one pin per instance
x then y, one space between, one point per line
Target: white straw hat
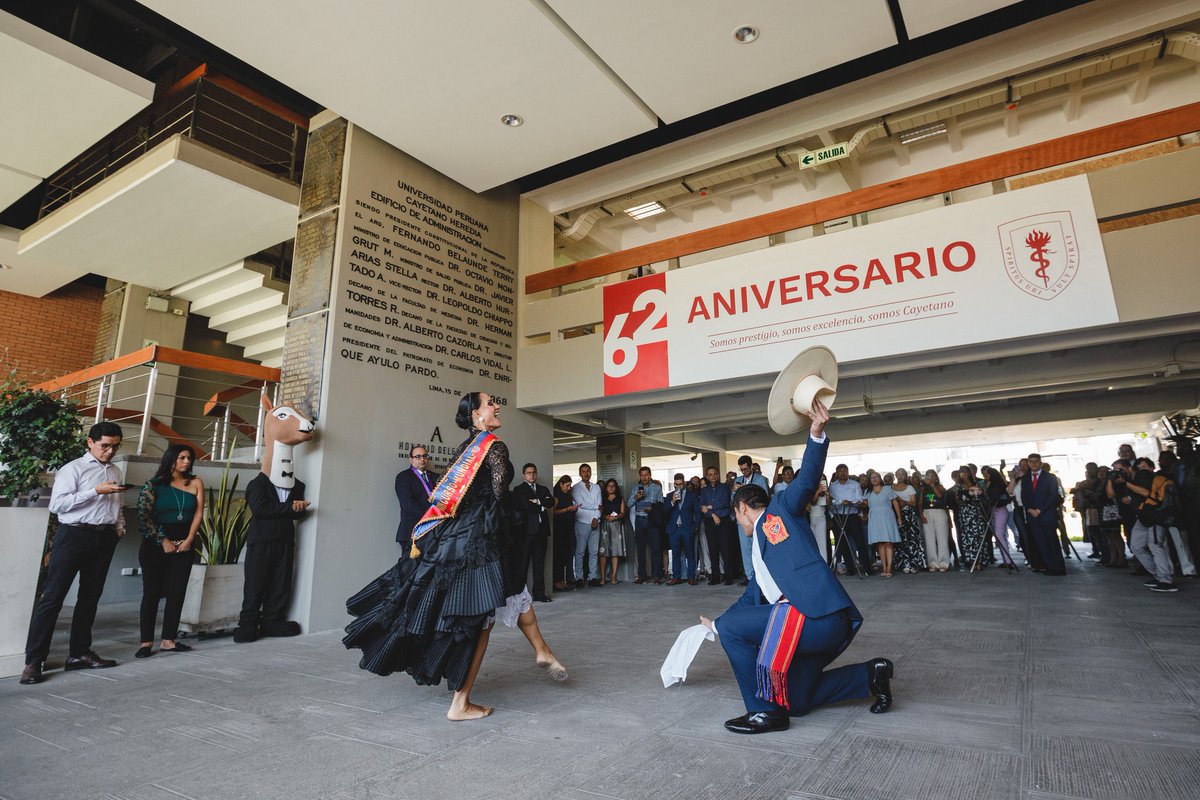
812 375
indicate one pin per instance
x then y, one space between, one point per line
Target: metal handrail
208 108
129 390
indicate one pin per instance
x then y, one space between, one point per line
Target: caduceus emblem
1037 241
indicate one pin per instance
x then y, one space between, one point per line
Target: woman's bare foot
553 667
469 711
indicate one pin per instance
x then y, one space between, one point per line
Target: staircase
244 302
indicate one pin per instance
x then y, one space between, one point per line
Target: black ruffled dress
425 614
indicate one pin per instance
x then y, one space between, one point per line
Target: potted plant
38 433
214 594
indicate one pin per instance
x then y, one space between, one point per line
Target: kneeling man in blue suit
795 617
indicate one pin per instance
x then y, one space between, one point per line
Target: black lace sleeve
500 467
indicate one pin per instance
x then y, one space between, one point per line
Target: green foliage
225 525
38 433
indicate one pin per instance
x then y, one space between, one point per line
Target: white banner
1017 264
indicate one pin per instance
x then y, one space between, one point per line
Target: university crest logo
1041 253
773 529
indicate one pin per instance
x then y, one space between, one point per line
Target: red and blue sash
452 487
775 655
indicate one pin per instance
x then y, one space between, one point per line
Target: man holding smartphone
87 499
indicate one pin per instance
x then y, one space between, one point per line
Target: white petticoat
513 607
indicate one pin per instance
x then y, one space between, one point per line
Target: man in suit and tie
794 618
413 487
536 502
1041 498
681 508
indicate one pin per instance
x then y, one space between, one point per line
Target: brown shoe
639 580
32 673
674 582
88 660
692 582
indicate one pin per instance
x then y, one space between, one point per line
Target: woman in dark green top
170 509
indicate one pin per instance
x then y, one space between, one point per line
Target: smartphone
128 485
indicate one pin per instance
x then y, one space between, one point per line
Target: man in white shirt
748 477
846 502
586 496
795 617
87 499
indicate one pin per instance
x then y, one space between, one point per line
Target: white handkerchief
674 669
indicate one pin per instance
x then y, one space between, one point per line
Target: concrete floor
1007 687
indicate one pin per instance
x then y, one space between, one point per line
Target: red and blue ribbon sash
775 655
450 490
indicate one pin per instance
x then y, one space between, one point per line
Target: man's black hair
102 429
753 495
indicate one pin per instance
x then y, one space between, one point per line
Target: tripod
840 521
990 533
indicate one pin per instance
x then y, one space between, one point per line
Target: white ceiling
926 16
433 79
27 276
681 58
67 99
178 212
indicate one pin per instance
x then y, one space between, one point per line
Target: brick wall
45 337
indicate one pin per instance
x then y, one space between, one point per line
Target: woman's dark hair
167 465
613 481
469 402
993 475
562 480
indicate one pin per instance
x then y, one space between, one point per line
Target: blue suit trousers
810 686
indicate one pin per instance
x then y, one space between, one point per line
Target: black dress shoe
759 722
728 581
32 673
144 652
88 660
179 647
595 582
879 678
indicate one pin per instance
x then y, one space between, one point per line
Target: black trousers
163 575
649 542
721 544
1043 541
855 540
268 567
564 548
82 551
535 556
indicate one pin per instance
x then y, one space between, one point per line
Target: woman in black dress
564 536
431 614
972 519
170 510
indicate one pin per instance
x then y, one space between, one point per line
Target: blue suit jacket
792 558
688 511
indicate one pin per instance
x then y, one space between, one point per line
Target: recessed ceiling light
512 120
646 210
745 34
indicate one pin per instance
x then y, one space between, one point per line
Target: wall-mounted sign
1017 264
835 152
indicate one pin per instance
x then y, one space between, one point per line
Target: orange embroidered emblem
773 529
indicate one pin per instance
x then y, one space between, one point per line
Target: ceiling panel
58 99
433 79
14 185
926 16
26 276
179 212
681 58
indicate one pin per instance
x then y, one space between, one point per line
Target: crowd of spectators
1134 514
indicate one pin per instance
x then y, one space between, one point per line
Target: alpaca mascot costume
276 500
